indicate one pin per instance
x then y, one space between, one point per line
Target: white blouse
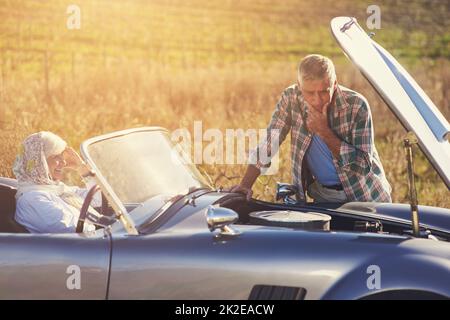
45 212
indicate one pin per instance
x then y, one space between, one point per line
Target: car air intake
292 219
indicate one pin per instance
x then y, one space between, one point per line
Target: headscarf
31 168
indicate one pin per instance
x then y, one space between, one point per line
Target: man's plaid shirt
358 166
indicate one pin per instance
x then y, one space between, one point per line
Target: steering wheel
85 207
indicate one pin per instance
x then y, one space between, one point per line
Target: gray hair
316 67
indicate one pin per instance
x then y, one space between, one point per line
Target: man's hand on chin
317 123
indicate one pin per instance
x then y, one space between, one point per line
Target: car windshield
140 165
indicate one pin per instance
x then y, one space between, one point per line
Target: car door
54 266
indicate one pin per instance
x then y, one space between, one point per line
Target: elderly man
332 141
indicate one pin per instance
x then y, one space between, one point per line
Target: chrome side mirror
285 191
221 218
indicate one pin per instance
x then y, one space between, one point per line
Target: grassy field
169 63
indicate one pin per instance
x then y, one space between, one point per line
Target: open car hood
397 88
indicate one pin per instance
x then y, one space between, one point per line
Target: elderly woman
44 203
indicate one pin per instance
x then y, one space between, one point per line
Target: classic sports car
164 233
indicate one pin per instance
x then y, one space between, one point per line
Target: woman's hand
74 162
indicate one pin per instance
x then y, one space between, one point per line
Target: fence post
73 66
104 58
46 75
3 75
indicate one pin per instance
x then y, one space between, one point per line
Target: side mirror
285 191
222 218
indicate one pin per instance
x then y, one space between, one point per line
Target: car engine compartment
311 217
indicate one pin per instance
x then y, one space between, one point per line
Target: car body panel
192 264
8 182
402 94
183 260
38 266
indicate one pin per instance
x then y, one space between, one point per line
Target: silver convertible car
164 233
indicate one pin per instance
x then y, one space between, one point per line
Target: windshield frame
116 203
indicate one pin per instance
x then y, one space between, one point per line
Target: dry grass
226 89
240 96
